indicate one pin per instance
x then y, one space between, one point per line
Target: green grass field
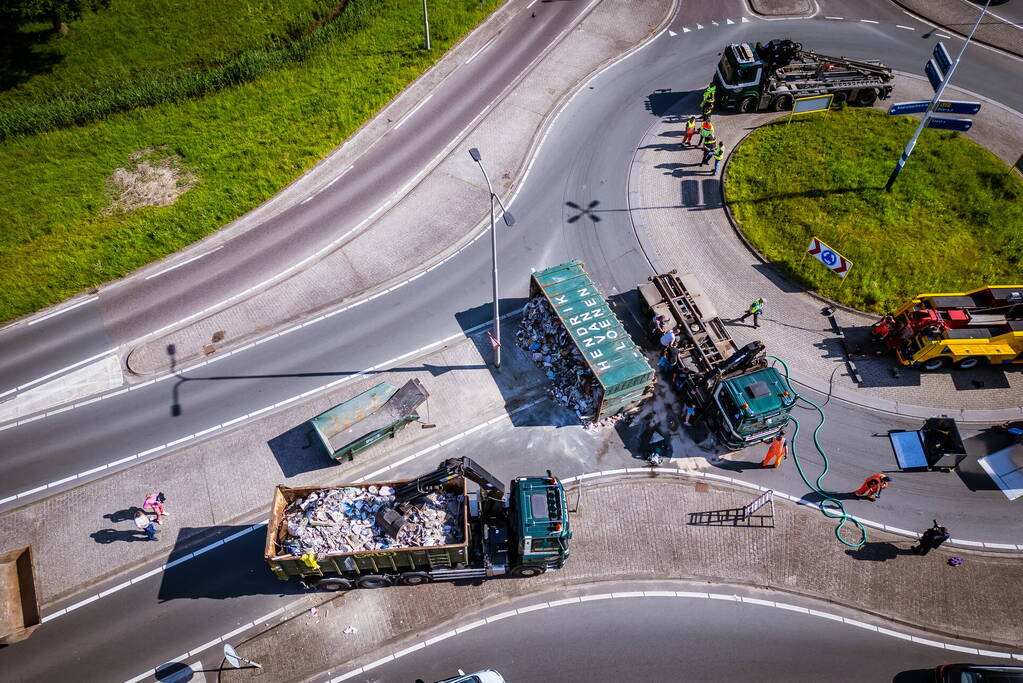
244 143
953 222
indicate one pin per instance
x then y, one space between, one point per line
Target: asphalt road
570 168
667 639
207 601
137 306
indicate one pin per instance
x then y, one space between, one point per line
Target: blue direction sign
956 107
941 56
934 74
918 107
949 123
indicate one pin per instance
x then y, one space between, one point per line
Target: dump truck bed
19 607
285 564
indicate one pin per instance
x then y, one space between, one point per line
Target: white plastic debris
344 520
350 630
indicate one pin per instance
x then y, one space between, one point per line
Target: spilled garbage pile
344 520
543 336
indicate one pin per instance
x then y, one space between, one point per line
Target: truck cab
752 407
539 516
739 78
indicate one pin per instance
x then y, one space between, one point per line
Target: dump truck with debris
571 333
736 394
774 75
19 606
415 531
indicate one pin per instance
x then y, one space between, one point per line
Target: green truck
576 338
736 394
521 533
774 75
373 415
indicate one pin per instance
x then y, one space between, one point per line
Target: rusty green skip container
625 378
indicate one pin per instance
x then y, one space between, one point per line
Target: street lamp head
509 219
475 154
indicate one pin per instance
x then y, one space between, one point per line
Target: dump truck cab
753 407
540 519
739 75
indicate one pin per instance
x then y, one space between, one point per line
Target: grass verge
242 143
953 221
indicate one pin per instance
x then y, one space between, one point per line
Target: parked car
978 673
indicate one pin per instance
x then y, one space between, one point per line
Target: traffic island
953 221
677 210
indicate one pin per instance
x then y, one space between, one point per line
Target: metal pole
426 25
937 96
497 306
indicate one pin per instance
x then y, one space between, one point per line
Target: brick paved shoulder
632 529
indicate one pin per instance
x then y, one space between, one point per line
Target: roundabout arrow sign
829 257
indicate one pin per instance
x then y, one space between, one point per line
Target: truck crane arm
391 519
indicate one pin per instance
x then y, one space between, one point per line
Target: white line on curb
184 263
88 300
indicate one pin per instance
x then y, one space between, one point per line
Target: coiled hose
830 506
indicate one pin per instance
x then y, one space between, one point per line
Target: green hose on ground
829 506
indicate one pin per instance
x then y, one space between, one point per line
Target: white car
482 676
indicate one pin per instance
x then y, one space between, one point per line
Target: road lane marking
836 18
868 21
412 111
908 28
184 263
485 46
21 387
54 314
685 595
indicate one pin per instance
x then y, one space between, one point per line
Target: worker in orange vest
873 486
776 451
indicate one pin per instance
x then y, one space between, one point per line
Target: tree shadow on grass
24 55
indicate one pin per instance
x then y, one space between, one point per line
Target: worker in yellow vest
718 154
706 131
776 451
690 130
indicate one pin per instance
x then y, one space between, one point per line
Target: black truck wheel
839 97
372 581
969 363
527 571
415 578
747 105
866 97
333 584
936 363
781 103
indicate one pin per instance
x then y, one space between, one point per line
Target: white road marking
533 2
686 30
908 28
414 109
485 46
947 37
836 18
699 27
88 300
744 20
184 263
868 21
672 33
37 380
686 595
729 21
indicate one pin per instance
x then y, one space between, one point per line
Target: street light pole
426 25
509 220
937 97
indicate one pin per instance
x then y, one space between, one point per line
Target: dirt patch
152 177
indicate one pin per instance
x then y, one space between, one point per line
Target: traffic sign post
939 72
917 107
949 123
837 263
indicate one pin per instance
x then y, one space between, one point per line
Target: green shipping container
624 376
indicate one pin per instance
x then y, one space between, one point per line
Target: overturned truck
571 333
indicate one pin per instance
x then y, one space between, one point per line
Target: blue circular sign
829 257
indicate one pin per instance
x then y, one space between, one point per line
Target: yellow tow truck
963 329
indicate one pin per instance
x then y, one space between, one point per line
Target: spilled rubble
543 336
344 520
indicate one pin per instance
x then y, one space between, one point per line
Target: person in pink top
154 503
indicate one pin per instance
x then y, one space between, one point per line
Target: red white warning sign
494 344
829 257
